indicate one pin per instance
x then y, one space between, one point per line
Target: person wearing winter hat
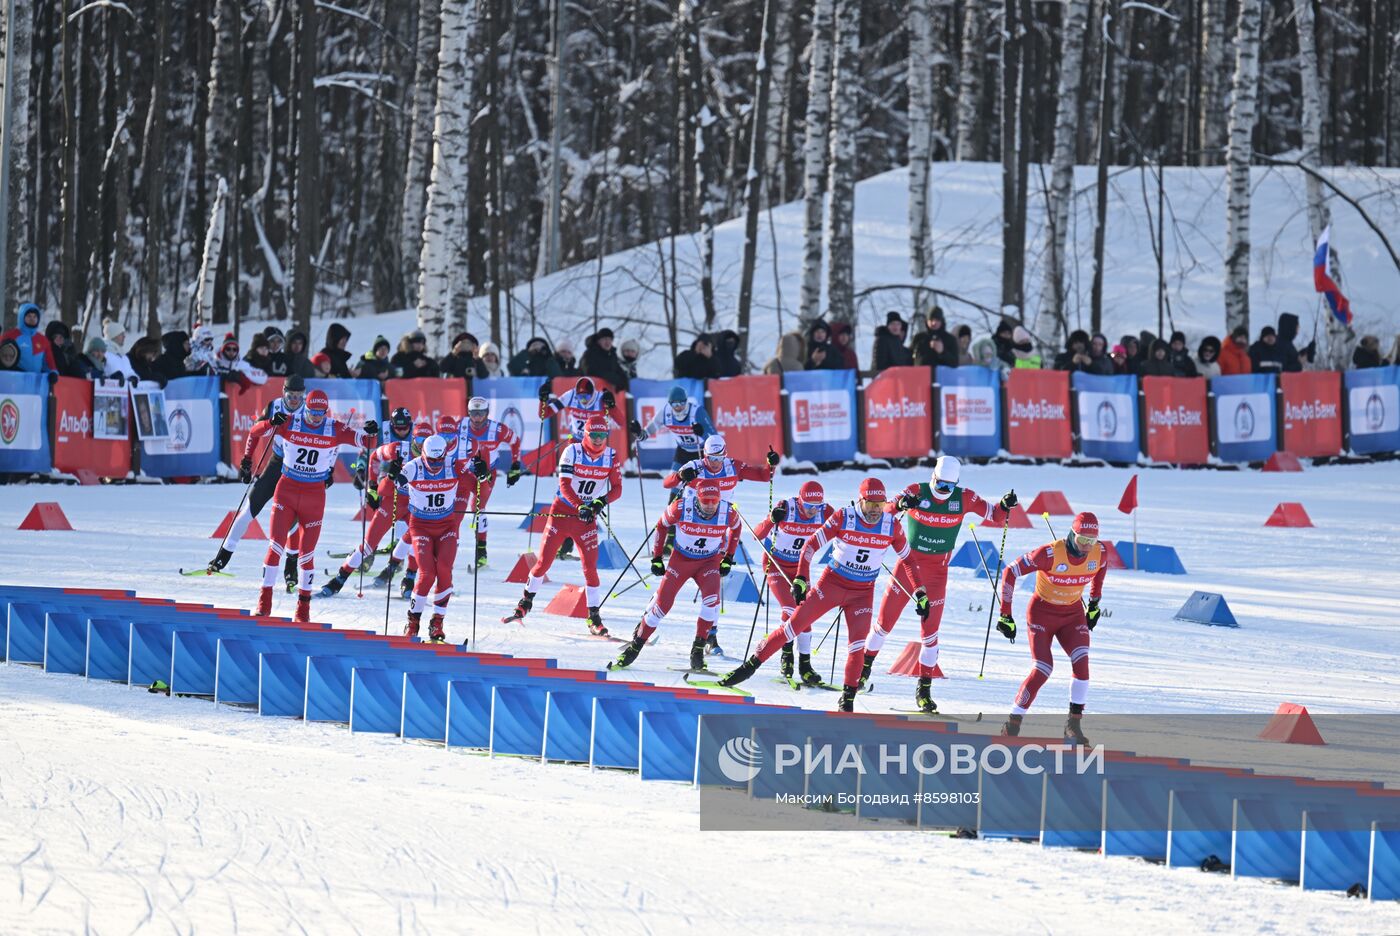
1099 361
412 360
322 362
1234 353
229 367
35 352
889 349
374 365
1159 363
1265 354
1208 357
1062 569
1181 359
1367 353
1119 356
965 357
564 357
93 363
65 355
462 362
1024 349
175 350
600 360
118 364
337 337
259 353
631 353
296 355
789 356
114 333
489 364
1075 356
935 346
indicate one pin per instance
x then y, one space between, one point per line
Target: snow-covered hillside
966 207
133 812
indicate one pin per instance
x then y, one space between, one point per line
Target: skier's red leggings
1047 621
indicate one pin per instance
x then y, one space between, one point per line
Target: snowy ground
125 812
965 210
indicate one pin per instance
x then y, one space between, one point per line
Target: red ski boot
264 602
411 628
435 633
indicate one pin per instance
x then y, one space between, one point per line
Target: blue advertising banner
1108 416
1246 424
649 398
969 411
821 414
1373 409
190 446
24 422
515 401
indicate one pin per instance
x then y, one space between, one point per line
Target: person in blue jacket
35 352
684 419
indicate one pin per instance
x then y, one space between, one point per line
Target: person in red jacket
1234 353
590 478
310 441
782 534
707 535
35 352
1062 570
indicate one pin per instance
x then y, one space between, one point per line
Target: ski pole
248 489
754 625
393 542
991 608
637 451
627 589
476 503
607 525
759 541
635 552
364 520
535 488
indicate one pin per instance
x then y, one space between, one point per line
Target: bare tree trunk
1012 206
841 179
971 144
153 169
213 250
775 141
1212 129
420 140
308 200
814 157
1318 215
219 129
550 234
754 180
444 222
1050 320
1238 155
68 268
387 259
701 119
920 136
1108 30
19 256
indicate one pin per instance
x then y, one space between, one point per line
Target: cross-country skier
933 514
293 394
590 478
576 407
707 534
715 464
310 442
437 486
479 438
1063 569
787 528
684 419
389 503
421 431
859 538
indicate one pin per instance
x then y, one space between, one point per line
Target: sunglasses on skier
1083 543
944 487
598 436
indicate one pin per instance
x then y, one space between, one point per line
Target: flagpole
1135 558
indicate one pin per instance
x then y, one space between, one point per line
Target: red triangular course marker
1283 461
1111 557
1292 724
908 662
45 515
341 474
1289 514
520 572
255 530
1052 502
364 513
1017 520
570 602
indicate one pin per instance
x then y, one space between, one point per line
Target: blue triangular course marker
1151 557
966 556
739 587
537 509
1206 608
610 555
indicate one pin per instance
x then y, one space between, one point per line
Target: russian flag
1323 282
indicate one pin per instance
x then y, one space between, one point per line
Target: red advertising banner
899 413
246 407
428 397
1037 410
618 439
1177 430
1312 413
748 413
74 448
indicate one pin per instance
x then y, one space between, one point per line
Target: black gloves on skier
921 603
687 474
544 393
658 567
372 499
394 470
1008 500
371 427
278 418
779 513
772 457
479 467
245 470
609 401
1006 626
725 565
905 501
1091 613
588 511
513 475
799 588
635 428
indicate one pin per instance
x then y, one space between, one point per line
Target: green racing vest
932 525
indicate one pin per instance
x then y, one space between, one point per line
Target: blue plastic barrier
108 649
65 643
1151 557
1072 813
666 745
193 661
568 722
328 688
282 684
236 671
1383 880
424 714
1011 804
1335 852
895 794
1267 840
1198 828
376 700
616 732
517 720
25 641
469 714
1207 608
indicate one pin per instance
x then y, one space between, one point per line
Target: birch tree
1050 319
1239 152
754 180
920 136
775 138
969 119
814 157
444 221
420 138
19 256
841 178
1211 132
213 251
